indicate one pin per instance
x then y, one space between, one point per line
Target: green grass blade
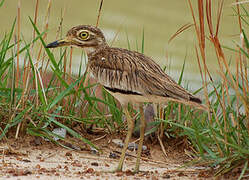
8 62
142 49
16 120
50 55
1 3
245 39
72 132
128 41
6 45
243 170
182 71
63 94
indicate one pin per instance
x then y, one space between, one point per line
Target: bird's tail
195 99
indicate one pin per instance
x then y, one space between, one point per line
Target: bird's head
87 37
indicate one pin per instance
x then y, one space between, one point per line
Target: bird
129 76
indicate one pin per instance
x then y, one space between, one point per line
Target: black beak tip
53 44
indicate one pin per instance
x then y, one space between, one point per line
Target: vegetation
35 98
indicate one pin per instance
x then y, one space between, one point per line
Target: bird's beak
59 43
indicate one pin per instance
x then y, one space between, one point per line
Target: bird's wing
134 73
155 84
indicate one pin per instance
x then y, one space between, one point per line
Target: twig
180 30
241 2
162 146
100 7
99 138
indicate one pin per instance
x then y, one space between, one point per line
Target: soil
34 158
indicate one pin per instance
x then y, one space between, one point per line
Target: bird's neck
89 50
94 49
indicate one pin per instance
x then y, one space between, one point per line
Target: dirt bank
34 158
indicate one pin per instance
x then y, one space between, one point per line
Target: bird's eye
84 35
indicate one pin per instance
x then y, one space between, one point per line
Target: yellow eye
84 35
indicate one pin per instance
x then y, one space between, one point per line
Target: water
159 19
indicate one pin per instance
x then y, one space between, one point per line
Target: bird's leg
141 140
127 139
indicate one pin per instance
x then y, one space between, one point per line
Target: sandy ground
33 158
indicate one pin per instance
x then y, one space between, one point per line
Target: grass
34 100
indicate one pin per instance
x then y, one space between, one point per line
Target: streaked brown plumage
120 69
128 75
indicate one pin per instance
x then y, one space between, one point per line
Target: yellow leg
127 139
140 145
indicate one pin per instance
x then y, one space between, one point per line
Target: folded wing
135 73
